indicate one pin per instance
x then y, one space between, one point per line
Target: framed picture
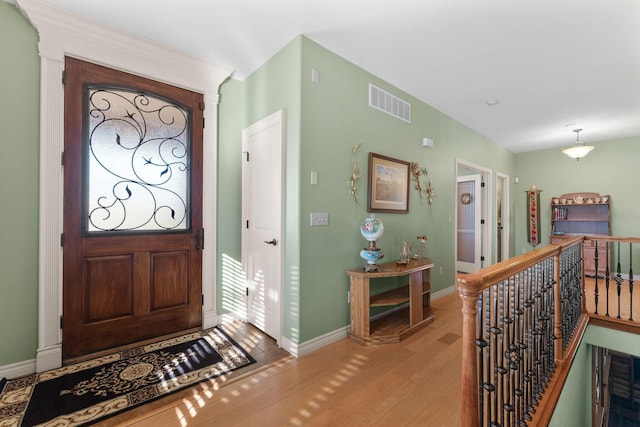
388 184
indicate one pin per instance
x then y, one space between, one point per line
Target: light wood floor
412 383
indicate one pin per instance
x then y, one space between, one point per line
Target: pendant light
579 150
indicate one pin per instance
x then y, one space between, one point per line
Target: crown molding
63 33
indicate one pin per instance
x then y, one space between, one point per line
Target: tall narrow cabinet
578 214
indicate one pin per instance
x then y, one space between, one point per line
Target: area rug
86 392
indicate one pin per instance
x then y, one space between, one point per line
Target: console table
396 324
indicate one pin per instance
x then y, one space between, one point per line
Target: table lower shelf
393 327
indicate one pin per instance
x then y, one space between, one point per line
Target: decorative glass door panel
137 154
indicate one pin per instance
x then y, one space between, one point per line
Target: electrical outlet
319 218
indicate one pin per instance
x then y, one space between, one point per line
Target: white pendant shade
579 150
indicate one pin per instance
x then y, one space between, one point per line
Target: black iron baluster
501 370
618 281
497 346
507 406
528 304
607 277
519 331
596 288
482 345
630 282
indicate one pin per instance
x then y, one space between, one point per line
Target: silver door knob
273 242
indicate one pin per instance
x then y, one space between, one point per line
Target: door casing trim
63 34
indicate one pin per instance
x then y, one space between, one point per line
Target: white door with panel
262 251
468 228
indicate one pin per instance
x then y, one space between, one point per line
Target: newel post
468 290
557 310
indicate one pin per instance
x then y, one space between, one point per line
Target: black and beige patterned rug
86 392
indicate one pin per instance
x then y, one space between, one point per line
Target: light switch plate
319 218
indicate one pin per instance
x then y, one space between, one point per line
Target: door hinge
247 153
203 123
64 77
198 241
247 224
247 292
482 184
62 158
482 258
61 322
202 299
202 240
482 221
62 240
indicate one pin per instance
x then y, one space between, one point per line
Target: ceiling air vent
390 104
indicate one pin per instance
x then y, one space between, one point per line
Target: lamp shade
578 151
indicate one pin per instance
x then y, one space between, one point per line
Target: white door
468 228
262 254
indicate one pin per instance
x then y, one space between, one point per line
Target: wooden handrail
500 285
488 276
470 286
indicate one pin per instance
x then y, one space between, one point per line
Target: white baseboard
209 319
319 342
314 344
49 358
443 292
18 369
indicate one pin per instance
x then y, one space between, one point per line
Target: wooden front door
132 239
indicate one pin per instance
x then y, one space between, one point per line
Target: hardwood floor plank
414 382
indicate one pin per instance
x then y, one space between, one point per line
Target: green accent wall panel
19 124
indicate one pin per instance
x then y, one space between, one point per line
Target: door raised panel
108 288
169 280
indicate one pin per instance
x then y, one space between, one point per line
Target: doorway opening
502 217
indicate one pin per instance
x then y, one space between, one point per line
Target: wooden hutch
577 214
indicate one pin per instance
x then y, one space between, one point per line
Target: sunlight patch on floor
346 373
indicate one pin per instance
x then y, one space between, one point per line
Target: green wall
335 117
324 122
274 86
574 406
609 169
19 124
229 296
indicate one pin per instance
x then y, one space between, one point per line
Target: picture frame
388 184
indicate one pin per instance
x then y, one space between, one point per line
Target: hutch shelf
577 214
399 321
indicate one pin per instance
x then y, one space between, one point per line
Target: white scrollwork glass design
137 153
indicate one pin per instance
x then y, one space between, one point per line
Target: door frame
62 34
486 209
506 230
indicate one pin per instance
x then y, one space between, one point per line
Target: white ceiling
554 65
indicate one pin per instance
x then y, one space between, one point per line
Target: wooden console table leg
359 317
415 298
